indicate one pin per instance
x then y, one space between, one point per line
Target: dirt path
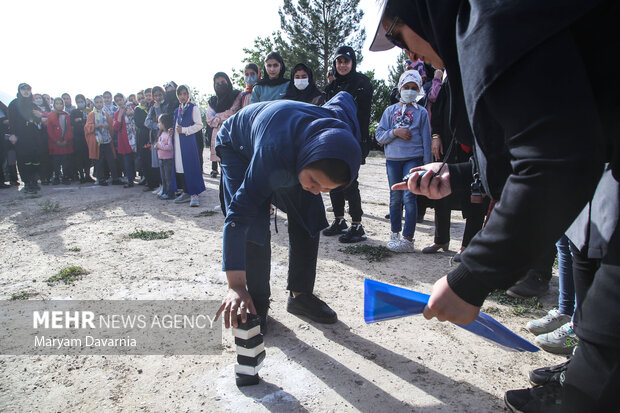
396 366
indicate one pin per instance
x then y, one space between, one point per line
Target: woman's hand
403 133
237 300
432 187
447 306
179 129
436 148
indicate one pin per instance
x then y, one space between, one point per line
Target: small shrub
206 213
520 306
371 253
150 235
67 275
48 206
22 295
75 249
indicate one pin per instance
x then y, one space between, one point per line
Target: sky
127 45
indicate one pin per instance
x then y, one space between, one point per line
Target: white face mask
408 96
301 84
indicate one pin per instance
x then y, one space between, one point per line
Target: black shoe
533 285
387 216
539 399
102 182
546 375
128 185
117 182
435 248
311 306
339 226
88 179
354 234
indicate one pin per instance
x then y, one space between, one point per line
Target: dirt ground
402 365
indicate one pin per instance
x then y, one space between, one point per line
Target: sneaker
394 239
311 306
164 197
142 181
88 179
533 285
339 226
560 341
404 245
185 197
161 192
354 234
538 399
157 190
217 208
194 201
546 375
553 320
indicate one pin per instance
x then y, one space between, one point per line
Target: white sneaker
158 191
552 321
402 245
562 340
194 201
394 239
217 208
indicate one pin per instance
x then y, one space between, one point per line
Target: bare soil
403 365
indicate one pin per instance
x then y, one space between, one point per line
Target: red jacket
55 135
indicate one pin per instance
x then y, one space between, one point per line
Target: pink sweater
164 146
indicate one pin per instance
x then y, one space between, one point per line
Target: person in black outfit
302 87
24 123
358 85
143 143
473 213
4 130
541 158
81 162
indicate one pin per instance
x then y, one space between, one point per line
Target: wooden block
250 343
246 334
250 352
248 370
251 361
246 380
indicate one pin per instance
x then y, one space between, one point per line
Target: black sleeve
364 103
556 150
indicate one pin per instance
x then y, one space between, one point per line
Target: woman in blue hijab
283 153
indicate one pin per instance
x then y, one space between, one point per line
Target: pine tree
314 29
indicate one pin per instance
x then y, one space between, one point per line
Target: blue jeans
395 171
165 168
130 166
566 298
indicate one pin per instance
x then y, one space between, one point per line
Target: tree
311 31
380 98
397 70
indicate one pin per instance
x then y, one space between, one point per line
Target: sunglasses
394 39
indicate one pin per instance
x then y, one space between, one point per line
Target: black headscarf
306 95
266 81
26 105
348 52
477 45
224 100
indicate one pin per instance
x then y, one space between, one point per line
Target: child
164 152
405 131
59 132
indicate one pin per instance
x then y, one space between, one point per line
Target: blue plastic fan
385 302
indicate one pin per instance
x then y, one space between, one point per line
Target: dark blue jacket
263 148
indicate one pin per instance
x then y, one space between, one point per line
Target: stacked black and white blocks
250 350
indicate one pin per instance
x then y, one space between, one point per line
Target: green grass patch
67 275
371 253
22 295
206 213
150 235
48 206
520 306
75 249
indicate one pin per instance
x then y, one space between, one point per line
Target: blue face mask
161 102
251 80
81 105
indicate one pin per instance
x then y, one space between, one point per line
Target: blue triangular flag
385 302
